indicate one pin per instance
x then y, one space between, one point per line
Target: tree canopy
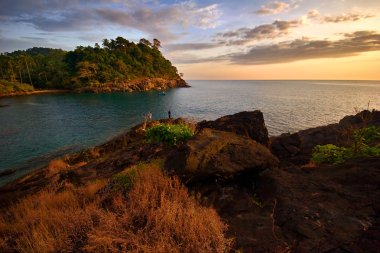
116 60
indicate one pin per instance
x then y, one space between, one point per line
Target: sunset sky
245 39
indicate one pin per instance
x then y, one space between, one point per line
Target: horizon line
352 80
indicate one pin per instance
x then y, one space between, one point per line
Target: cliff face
145 84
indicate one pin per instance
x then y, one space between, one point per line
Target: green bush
169 134
7 87
367 135
125 180
364 145
330 154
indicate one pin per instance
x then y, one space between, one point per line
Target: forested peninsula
117 65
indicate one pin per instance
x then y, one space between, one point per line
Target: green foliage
330 154
368 151
169 133
7 87
117 61
367 135
364 145
124 180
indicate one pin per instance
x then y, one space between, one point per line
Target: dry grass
50 221
156 215
57 166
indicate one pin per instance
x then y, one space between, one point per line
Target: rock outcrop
145 84
269 207
221 155
249 124
297 148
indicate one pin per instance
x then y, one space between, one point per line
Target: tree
145 42
156 43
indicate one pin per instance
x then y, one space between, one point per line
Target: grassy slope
155 214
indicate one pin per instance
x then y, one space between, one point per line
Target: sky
217 40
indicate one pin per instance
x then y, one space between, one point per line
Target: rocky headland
264 188
141 84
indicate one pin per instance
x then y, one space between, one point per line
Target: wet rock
219 154
249 124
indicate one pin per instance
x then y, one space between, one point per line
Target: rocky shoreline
143 84
271 197
35 92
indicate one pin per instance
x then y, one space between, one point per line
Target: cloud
345 17
351 44
149 16
190 46
65 21
193 58
273 8
266 31
12 44
160 21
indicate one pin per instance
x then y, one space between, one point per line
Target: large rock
297 148
250 124
212 153
286 145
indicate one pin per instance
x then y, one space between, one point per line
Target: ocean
37 128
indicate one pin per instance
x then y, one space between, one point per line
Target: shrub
169 133
124 180
7 87
330 154
363 138
56 166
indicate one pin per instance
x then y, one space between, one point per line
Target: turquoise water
37 128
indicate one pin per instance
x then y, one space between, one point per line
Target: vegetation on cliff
154 214
365 144
116 61
126 195
171 134
7 87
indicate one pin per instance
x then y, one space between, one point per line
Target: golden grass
50 221
56 166
156 215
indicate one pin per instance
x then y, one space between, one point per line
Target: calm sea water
35 129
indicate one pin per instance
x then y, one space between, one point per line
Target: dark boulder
297 148
286 145
212 153
249 124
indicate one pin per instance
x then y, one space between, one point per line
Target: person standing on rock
169 114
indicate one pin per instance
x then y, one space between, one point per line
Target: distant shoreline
34 92
141 84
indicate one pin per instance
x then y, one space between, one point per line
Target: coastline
246 176
140 84
35 92
282 145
